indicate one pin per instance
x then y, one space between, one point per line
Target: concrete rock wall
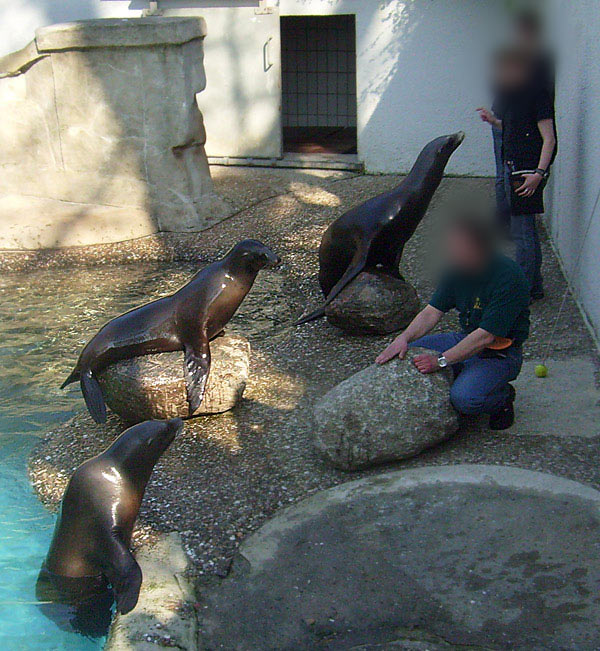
575 181
102 140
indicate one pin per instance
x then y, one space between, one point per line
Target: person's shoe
505 416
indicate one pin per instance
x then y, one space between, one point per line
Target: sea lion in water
89 563
187 320
373 234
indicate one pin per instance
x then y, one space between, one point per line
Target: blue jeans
528 254
480 383
502 199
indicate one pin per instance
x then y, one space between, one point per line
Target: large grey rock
384 413
102 131
152 386
374 303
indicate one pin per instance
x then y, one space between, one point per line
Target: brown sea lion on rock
89 562
373 235
187 320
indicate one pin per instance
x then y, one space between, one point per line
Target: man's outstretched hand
426 363
397 348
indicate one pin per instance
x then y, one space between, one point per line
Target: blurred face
463 253
511 73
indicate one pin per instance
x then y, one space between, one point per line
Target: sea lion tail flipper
92 394
354 268
316 314
73 377
196 370
123 573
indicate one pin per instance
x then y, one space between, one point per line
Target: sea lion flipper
196 370
354 268
124 574
92 394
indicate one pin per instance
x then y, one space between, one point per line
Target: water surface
45 318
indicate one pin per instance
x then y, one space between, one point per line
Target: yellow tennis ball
541 370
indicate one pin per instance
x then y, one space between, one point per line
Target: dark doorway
318 62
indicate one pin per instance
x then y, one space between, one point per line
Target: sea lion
89 563
373 234
187 320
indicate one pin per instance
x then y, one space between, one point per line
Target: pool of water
45 319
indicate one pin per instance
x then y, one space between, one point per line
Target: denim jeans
502 199
524 232
480 383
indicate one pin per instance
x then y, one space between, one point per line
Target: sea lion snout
254 255
274 261
174 427
451 142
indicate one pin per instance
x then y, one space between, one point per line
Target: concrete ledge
17 62
119 32
165 615
464 556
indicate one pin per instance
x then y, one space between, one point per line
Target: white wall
421 66
20 18
421 72
576 171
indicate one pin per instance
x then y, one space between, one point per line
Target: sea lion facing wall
373 235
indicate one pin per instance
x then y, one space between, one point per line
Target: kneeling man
491 295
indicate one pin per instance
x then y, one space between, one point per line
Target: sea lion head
252 256
444 146
431 163
138 449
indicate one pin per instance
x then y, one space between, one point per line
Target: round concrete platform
485 556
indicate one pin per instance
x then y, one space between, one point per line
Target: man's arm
531 181
471 345
487 116
423 323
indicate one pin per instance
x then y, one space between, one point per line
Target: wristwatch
540 171
442 361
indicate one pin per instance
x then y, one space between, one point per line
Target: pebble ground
226 474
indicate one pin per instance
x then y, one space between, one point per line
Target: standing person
526 117
491 295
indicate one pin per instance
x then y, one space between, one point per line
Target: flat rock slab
153 386
374 304
164 615
484 556
565 403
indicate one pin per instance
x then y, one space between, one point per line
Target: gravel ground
227 473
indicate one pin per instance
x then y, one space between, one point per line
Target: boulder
384 413
152 386
374 303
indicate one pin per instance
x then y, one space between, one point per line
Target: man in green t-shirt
491 295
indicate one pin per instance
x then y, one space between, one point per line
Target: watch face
442 361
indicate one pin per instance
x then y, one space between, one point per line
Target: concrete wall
92 149
421 65
576 173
